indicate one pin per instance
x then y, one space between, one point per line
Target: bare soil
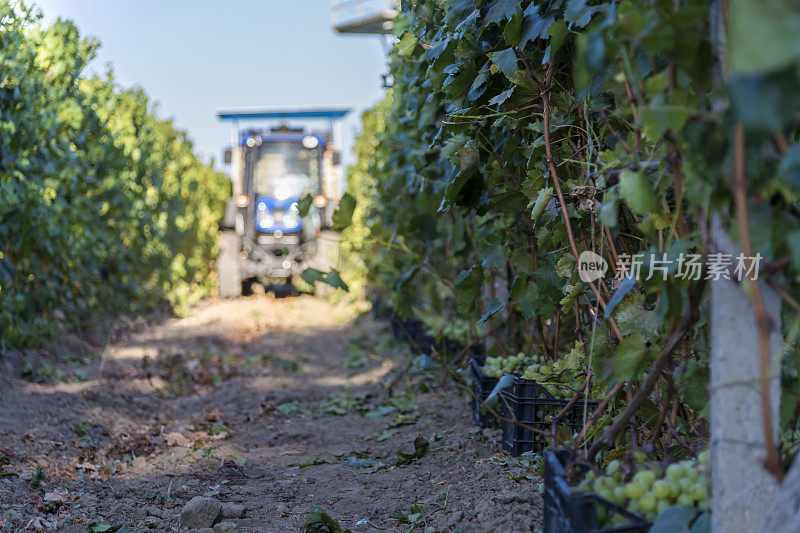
280 405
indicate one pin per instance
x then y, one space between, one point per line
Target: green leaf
453 145
421 448
624 288
343 215
318 519
501 10
702 524
540 204
608 209
407 44
462 187
763 35
579 13
494 256
632 316
793 242
505 61
631 357
512 30
589 61
637 191
332 278
675 519
765 102
310 462
501 97
460 80
469 284
534 26
406 276
557 32
494 307
789 170
458 11
304 205
691 382
478 86
656 120
7 269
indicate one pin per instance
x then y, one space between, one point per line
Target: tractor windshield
285 170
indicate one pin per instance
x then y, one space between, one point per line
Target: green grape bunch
497 366
651 488
562 378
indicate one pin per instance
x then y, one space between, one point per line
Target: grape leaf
407 44
631 357
304 205
764 35
534 26
624 288
494 307
505 61
343 215
675 519
469 284
501 10
637 191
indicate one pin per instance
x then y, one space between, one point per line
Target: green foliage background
459 203
104 206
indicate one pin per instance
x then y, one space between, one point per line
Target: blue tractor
268 235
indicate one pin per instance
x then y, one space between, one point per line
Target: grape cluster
497 366
651 488
559 381
451 328
562 378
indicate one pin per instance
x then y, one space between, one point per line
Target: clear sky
195 56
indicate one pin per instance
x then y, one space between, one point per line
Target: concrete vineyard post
742 487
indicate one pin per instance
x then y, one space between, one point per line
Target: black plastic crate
529 403
482 386
571 511
408 330
447 347
424 344
479 352
397 329
380 309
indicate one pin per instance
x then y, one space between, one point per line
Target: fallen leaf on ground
176 439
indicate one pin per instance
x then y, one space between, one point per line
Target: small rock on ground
232 510
200 512
225 527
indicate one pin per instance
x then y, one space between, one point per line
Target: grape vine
519 135
104 206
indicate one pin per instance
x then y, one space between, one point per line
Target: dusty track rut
223 403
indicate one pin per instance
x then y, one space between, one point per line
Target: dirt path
278 405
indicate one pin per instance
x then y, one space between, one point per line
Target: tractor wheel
285 290
229 277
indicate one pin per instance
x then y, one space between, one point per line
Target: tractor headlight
291 220
320 201
265 218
